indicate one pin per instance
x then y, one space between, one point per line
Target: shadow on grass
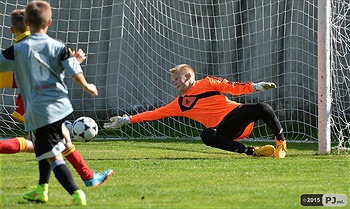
290 144
295 149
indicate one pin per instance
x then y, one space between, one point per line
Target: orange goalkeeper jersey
203 102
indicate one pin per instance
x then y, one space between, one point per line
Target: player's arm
7 58
79 55
73 68
171 109
234 88
7 78
239 88
88 87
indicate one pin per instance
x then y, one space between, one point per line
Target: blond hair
38 13
181 67
17 23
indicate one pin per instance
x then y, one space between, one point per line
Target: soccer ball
84 129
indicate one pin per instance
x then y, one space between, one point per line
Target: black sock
44 172
280 137
249 150
64 176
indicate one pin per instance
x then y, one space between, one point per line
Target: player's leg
13 145
89 177
266 113
223 136
41 192
211 137
49 144
17 144
64 176
234 125
248 113
18 113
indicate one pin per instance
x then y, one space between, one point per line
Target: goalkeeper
225 120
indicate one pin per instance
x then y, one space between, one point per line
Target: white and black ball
84 129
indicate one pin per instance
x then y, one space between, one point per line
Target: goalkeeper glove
117 122
263 86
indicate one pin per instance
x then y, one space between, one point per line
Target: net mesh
340 72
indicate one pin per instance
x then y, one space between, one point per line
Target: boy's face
181 80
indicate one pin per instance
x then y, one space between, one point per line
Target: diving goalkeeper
225 120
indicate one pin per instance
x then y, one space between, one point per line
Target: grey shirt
39 64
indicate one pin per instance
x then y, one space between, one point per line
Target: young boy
39 63
225 120
19 144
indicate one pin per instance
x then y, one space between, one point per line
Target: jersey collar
22 36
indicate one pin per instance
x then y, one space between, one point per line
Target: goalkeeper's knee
265 111
208 137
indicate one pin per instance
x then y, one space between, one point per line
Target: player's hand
80 55
91 89
117 122
79 78
263 86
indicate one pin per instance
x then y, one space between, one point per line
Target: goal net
340 72
130 46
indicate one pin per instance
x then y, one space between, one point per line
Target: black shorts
48 140
234 123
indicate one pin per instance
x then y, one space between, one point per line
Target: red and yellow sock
18 114
78 163
14 145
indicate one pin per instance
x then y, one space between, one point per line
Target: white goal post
131 44
324 76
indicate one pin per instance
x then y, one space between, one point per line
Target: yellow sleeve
6 79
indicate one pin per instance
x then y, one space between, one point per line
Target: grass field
184 174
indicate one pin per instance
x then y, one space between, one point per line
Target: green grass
184 174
